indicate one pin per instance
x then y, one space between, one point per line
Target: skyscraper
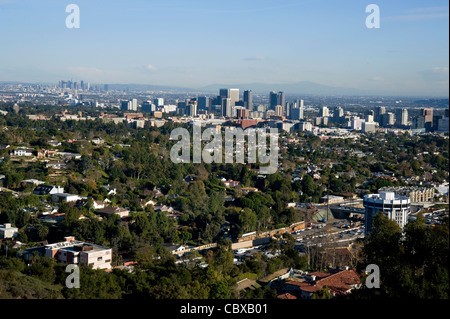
404 121
148 106
234 96
276 99
248 100
193 110
159 102
388 119
224 93
324 112
279 110
428 115
301 116
204 103
379 112
129 105
227 110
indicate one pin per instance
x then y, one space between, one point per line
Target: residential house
111 210
47 190
246 190
65 197
163 208
339 283
22 151
98 204
7 231
75 252
55 165
46 153
230 183
33 181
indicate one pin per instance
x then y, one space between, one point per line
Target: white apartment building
395 207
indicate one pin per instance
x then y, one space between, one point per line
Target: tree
308 185
247 220
324 293
220 290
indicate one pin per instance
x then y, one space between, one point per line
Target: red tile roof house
339 283
286 296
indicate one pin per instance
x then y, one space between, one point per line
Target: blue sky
195 43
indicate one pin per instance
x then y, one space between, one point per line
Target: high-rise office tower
289 107
159 102
148 106
224 93
227 110
369 118
404 121
234 96
301 107
379 112
273 100
427 113
324 112
124 106
279 110
418 123
276 99
204 103
388 119
295 114
129 105
193 110
248 100
282 99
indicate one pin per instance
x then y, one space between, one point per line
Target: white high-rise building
301 115
234 96
395 207
324 112
159 102
404 121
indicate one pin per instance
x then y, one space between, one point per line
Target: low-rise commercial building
416 194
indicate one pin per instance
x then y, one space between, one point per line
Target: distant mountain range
303 87
294 88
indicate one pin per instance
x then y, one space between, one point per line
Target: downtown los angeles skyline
198 43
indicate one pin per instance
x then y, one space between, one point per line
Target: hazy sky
195 43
